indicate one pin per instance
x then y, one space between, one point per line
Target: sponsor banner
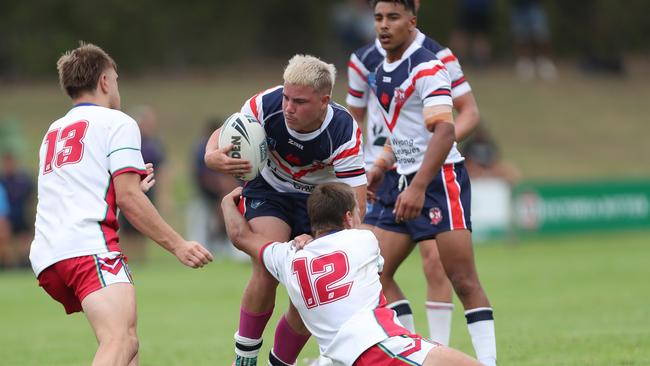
586 206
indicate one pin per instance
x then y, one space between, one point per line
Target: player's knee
433 270
464 285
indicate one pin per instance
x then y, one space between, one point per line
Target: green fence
583 206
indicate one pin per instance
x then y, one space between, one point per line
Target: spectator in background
471 40
5 228
353 23
153 152
19 187
483 159
532 38
204 217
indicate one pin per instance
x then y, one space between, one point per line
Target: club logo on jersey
385 100
256 203
400 96
293 160
435 214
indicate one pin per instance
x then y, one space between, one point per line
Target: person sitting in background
204 217
153 152
532 37
5 227
483 159
19 187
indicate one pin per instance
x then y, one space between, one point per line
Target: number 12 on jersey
73 147
323 275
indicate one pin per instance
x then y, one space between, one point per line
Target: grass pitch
578 300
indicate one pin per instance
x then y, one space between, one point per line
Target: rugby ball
247 136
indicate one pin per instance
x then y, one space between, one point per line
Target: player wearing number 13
90 164
334 283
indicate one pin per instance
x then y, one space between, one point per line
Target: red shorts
397 351
71 280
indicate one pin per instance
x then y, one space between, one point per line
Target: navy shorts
446 205
260 199
373 209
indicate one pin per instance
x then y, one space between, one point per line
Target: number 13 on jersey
73 147
323 275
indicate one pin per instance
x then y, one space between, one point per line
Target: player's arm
468 116
439 120
144 217
239 230
359 115
360 193
216 157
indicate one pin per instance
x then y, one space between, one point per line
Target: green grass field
580 300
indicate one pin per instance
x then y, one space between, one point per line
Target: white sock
246 350
480 324
439 319
404 314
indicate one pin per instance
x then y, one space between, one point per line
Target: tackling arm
239 230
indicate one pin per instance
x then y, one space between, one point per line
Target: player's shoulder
422 56
272 97
342 123
362 238
369 55
432 45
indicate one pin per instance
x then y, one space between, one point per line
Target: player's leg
395 247
258 299
439 305
111 312
291 335
457 256
445 356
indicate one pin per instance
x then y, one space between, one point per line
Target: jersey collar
312 135
391 66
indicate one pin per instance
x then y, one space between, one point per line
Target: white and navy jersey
300 161
80 155
334 284
362 69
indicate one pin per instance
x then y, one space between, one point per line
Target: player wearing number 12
90 164
334 283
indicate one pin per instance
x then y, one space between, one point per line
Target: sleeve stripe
356 68
355 93
448 59
440 92
253 105
458 82
262 249
351 173
129 169
122 148
351 151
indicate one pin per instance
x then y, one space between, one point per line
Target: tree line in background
174 35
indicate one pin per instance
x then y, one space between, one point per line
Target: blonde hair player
311 140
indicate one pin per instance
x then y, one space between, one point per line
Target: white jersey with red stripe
362 71
334 284
299 161
80 156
